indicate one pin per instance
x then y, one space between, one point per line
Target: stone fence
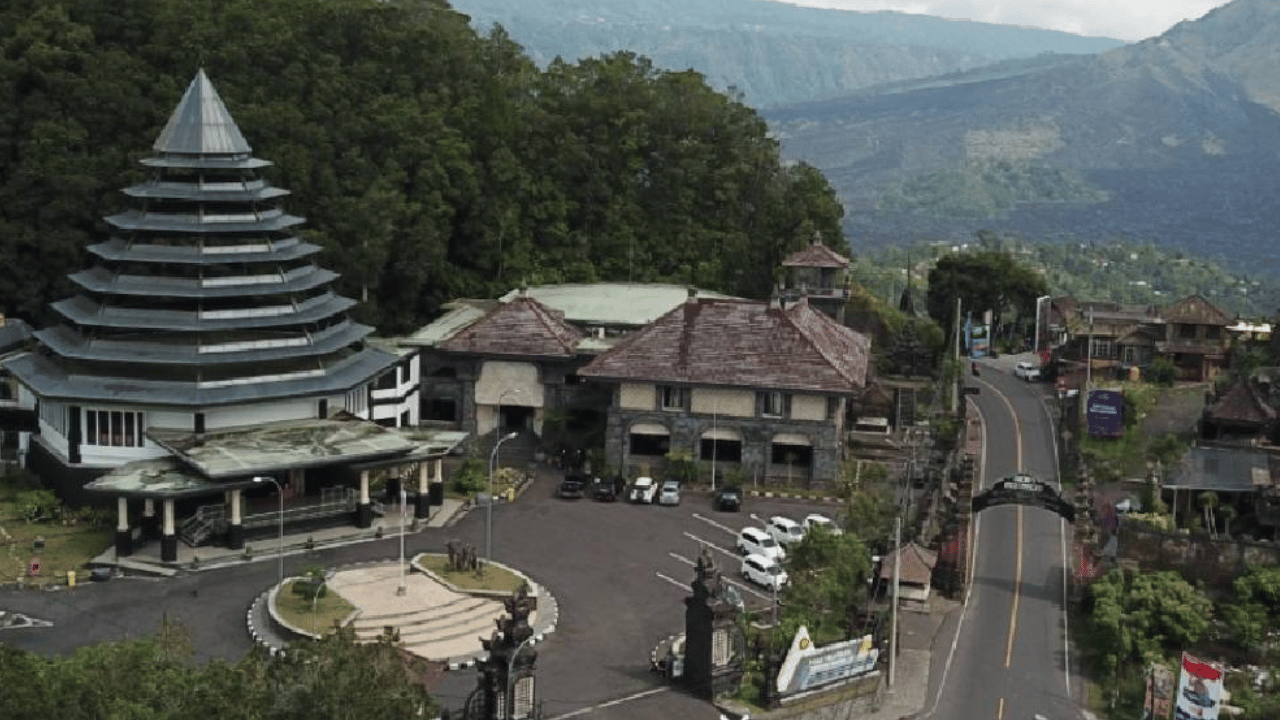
1196 555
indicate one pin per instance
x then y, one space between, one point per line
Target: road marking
619 701
1062 536
1000 710
672 580
735 583
715 524
713 546
1017 590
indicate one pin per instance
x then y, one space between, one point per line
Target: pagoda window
114 428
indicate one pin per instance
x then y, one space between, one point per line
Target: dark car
608 489
572 487
729 499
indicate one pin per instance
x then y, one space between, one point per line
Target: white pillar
364 487
422 477
149 508
168 517
122 514
438 474
235 506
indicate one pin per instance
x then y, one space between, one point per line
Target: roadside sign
33 568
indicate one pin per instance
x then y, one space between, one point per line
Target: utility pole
955 387
897 570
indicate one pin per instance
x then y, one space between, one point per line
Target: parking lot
620 572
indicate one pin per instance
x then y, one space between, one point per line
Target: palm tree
1228 514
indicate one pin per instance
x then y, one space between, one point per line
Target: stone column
364 511
150 525
168 536
422 503
235 533
124 536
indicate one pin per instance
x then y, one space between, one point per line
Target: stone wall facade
1197 556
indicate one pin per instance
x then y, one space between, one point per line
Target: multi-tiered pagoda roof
203 294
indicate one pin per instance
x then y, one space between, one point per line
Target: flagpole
403 505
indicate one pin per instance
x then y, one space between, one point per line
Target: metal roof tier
84 311
224 162
282 250
201 125
258 191
49 379
101 280
247 222
192 349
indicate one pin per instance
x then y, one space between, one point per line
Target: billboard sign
1199 690
979 340
807 666
1105 413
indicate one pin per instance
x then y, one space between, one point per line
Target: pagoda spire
201 125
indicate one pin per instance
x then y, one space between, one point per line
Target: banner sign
978 340
1199 690
807 667
1105 413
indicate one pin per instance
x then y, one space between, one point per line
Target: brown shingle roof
916 566
816 255
1241 404
1194 309
741 343
523 327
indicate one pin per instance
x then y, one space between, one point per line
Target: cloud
1124 19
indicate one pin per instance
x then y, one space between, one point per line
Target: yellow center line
1017 591
1000 710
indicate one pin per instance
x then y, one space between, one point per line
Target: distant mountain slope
771 52
1178 136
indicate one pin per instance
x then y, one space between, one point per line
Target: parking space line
715 524
713 546
673 581
735 583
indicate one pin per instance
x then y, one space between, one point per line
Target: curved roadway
1011 657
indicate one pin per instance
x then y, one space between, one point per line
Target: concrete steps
441 632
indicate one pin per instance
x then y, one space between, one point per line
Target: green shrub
471 477
39 505
1163 372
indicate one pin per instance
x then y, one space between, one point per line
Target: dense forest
432 162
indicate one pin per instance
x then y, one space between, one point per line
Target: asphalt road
620 573
1011 659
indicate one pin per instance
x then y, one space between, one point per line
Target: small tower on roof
821 274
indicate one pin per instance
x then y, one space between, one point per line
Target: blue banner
1104 413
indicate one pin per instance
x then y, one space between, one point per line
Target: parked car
754 541
764 571
643 490
785 530
572 487
1028 371
817 520
729 499
608 489
669 494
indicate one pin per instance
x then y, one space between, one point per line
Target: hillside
771 52
1173 140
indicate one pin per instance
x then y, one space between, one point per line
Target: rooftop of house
610 304
816 255
1241 404
916 567
522 327
741 343
1221 469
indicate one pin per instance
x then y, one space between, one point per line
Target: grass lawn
66 547
298 611
489 577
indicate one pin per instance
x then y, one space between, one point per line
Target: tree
982 280
1208 502
1140 616
1254 608
828 582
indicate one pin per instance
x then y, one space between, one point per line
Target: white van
785 530
763 571
754 541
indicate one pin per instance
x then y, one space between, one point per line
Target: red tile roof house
760 387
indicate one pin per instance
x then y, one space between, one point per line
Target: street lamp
280 494
488 522
508 700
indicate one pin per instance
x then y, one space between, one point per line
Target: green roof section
159 478
610 304
280 446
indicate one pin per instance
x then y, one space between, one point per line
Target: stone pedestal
124 543
169 548
235 537
364 515
422 506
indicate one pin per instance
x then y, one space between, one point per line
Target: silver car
670 493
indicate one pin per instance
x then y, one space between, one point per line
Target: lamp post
508 700
488 522
280 494
715 444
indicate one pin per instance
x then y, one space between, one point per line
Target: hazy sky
1122 19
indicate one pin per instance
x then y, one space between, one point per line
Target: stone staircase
518 452
439 633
